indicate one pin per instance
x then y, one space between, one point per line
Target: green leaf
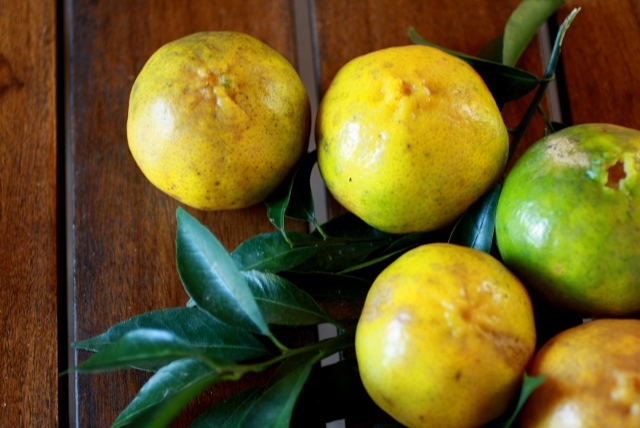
549 74
506 83
416 239
476 227
492 51
211 278
348 225
293 198
142 348
523 24
271 252
529 384
282 303
332 285
273 408
166 393
337 255
229 412
272 405
332 393
203 332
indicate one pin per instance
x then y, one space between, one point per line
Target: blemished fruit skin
408 138
568 219
218 120
592 378
444 337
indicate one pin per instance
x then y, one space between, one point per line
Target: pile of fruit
485 293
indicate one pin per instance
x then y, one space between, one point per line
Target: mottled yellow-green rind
217 120
408 138
444 337
564 232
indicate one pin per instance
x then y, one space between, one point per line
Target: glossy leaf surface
211 278
166 393
271 252
142 348
282 303
293 198
203 332
476 227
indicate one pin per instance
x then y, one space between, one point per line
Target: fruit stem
549 75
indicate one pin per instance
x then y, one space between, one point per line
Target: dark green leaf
205 333
272 405
142 348
416 239
523 24
529 384
271 252
332 393
211 278
293 198
335 256
324 284
553 127
166 393
505 83
301 206
476 227
273 408
229 412
282 303
348 225
492 51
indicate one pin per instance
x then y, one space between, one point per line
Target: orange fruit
218 120
408 138
568 219
444 337
592 378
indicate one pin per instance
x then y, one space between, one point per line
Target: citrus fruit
568 219
592 377
408 138
218 120
444 337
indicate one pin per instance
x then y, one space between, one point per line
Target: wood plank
28 215
600 62
124 229
349 29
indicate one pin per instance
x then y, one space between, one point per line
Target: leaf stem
319 229
278 344
327 347
549 75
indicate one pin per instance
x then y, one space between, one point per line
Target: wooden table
86 241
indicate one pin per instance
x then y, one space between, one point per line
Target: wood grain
124 228
600 62
28 215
